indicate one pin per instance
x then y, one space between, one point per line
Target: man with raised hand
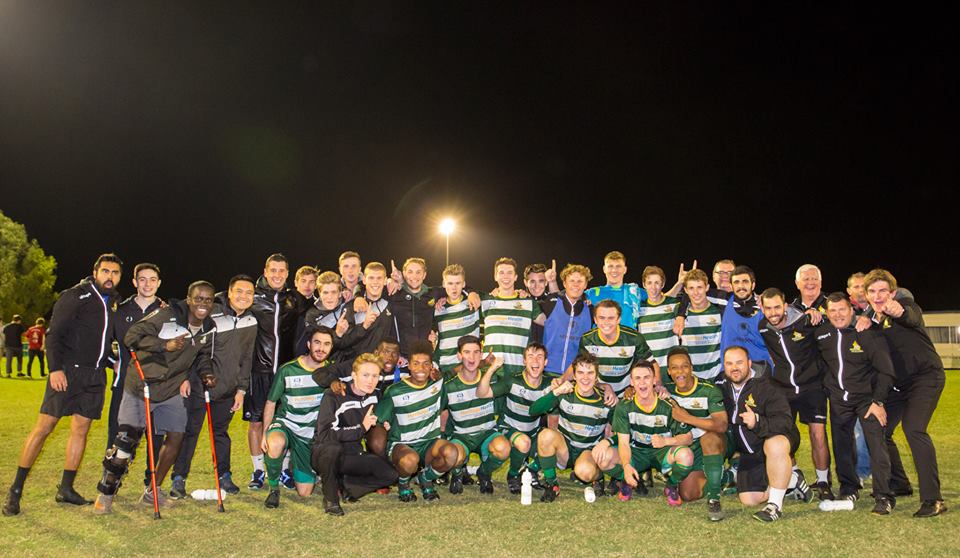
539 287
329 310
718 295
78 346
701 333
568 318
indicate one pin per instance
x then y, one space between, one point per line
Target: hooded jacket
771 406
413 313
232 354
858 364
81 328
793 351
276 313
164 370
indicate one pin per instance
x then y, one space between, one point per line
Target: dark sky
204 138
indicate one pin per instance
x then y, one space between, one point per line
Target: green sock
616 472
549 465
489 465
516 462
713 470
535 465
274 467
678 472
429 474
456 472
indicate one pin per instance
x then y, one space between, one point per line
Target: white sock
776 497
794 479
286 461
257 462
823 476
795 467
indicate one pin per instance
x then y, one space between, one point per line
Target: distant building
944 331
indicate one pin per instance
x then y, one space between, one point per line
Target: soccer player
453 318
349 266
920 379
649 437
766 436
578 441
329 310
539 287
289 416
412 408
859 375
472 424
655 320
374 322
567 318
701 329
507 318
172 344
83 318
516 422
789 335
305 281
718 295
616 347
628 295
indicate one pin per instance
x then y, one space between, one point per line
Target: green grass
467 525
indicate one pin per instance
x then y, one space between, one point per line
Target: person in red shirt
35 341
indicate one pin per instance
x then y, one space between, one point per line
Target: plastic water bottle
526 488
836 505
208 494
589 495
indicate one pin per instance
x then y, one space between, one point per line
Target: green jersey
655 323
641 424
701 401
583 420
452 321
701 337
617 357
413 412
506 326
469 415
519 395
297 397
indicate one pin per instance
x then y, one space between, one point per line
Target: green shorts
300 451
650 458
511 433
476 443
421 448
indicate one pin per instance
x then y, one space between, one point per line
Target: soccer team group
368 379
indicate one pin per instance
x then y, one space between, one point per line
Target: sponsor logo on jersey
855 348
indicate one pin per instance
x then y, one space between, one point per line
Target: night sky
203 138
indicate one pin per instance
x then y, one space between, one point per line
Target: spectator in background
12 334
35 342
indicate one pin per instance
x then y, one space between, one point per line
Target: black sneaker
802 490
883 506
931 508
486 483
456 484
405 493
443 479
550 493
256 480
70 496
226 483
537 482
769 513
12 505
823 490
714 511
332 508
514 484
599 487
273 499
286 479
178 488
466 479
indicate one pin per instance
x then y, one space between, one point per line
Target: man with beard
740 319
78 346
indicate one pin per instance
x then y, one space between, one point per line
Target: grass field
467 525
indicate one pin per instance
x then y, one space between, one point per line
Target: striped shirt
518 396
506 326
469 414
617 357
656 325
583 420
297 397
413 413
642 424
701 401
451 322
701 337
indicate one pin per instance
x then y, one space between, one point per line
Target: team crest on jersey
598 413
518 305
712 321
434 390
886 323
460 395
797 336
750 402
295 381
696 405
623 353
659 421
855 348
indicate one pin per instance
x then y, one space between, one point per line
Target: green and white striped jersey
617 357
298 399
583 420
656 325
451 322
702 400
413 413
469 414
641 424
701 337
506 324
518 395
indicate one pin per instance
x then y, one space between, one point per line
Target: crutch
213 450
153 469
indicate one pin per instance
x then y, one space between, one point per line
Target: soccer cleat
673 495
405 492
537 482
599 487
883 506
823 491
178 488
714 511
103 505
931 508
227 484
802 491
641 489
12 505
430 493
68 495
443 479
332 508
456 484
147 499
626 492
286 479
256 480
486 483
613 487
852 497
550 493
466 479
273 499
514 484
769 513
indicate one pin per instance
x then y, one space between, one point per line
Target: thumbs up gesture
749 417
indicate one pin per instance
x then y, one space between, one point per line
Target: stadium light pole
446 228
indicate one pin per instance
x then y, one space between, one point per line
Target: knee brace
116 462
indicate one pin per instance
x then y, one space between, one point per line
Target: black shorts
810 404
752 470
256 397
84 395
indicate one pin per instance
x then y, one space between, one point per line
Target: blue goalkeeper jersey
629 296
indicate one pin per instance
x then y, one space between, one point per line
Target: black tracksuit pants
360 473
914 407
196 413
843 420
